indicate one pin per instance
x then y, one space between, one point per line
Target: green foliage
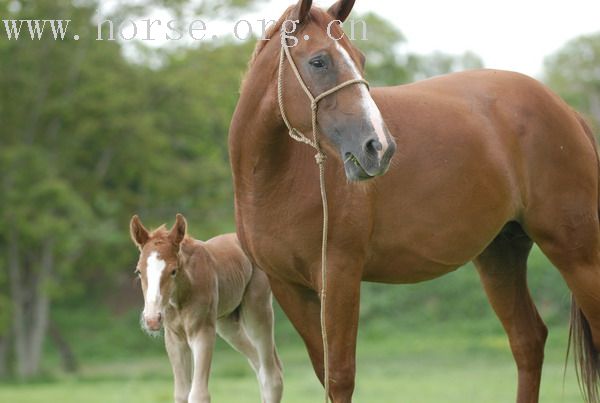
89 138
389 64
385 61
574 73
44 205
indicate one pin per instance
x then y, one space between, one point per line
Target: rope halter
320 158
314 101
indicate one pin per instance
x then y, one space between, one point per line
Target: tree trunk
5 320
31 306
18 299
4 371
69 362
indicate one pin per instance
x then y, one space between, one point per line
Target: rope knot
320 157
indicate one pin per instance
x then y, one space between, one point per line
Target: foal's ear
341 9
301 10
179 229
139 233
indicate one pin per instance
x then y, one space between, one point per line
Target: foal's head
349 119
157 267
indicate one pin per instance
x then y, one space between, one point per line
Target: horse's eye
174 272
317 62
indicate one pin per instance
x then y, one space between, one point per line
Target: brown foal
197 289
487 162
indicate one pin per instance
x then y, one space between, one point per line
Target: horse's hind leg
503 268
571 240
256 314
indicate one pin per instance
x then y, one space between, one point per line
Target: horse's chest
280 246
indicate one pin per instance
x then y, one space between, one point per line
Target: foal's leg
231 330
302 306
503 269
202 343
256 314
181 362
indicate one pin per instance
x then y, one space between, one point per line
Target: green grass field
444 363
433 342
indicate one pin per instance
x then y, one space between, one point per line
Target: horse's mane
315 14
269 34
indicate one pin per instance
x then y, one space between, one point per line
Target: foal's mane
159 232
160 235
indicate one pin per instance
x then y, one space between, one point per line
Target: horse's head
157 267
349 119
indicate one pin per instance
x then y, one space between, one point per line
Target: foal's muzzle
153 322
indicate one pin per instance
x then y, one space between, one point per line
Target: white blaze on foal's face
154 270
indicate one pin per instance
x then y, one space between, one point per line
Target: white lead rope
320 158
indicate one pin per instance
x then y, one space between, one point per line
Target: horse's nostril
373 145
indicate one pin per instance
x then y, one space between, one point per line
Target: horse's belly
404 267
416 251
439 207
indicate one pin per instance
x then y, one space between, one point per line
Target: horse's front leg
202 343
302 306
341 316
181 362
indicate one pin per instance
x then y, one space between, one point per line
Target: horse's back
476 150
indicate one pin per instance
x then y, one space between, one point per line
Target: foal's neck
183 289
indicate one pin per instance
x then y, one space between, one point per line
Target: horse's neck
259 147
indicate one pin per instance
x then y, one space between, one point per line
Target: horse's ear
301 10
341 9
179 229
139 233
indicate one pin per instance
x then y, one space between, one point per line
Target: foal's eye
174 272
317 62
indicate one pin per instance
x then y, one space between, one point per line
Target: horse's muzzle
371 160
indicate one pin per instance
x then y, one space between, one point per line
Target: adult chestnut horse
487 163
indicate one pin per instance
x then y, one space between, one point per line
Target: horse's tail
587 361
587 364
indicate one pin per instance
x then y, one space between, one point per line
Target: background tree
574 72
388 63
89 138
43 229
